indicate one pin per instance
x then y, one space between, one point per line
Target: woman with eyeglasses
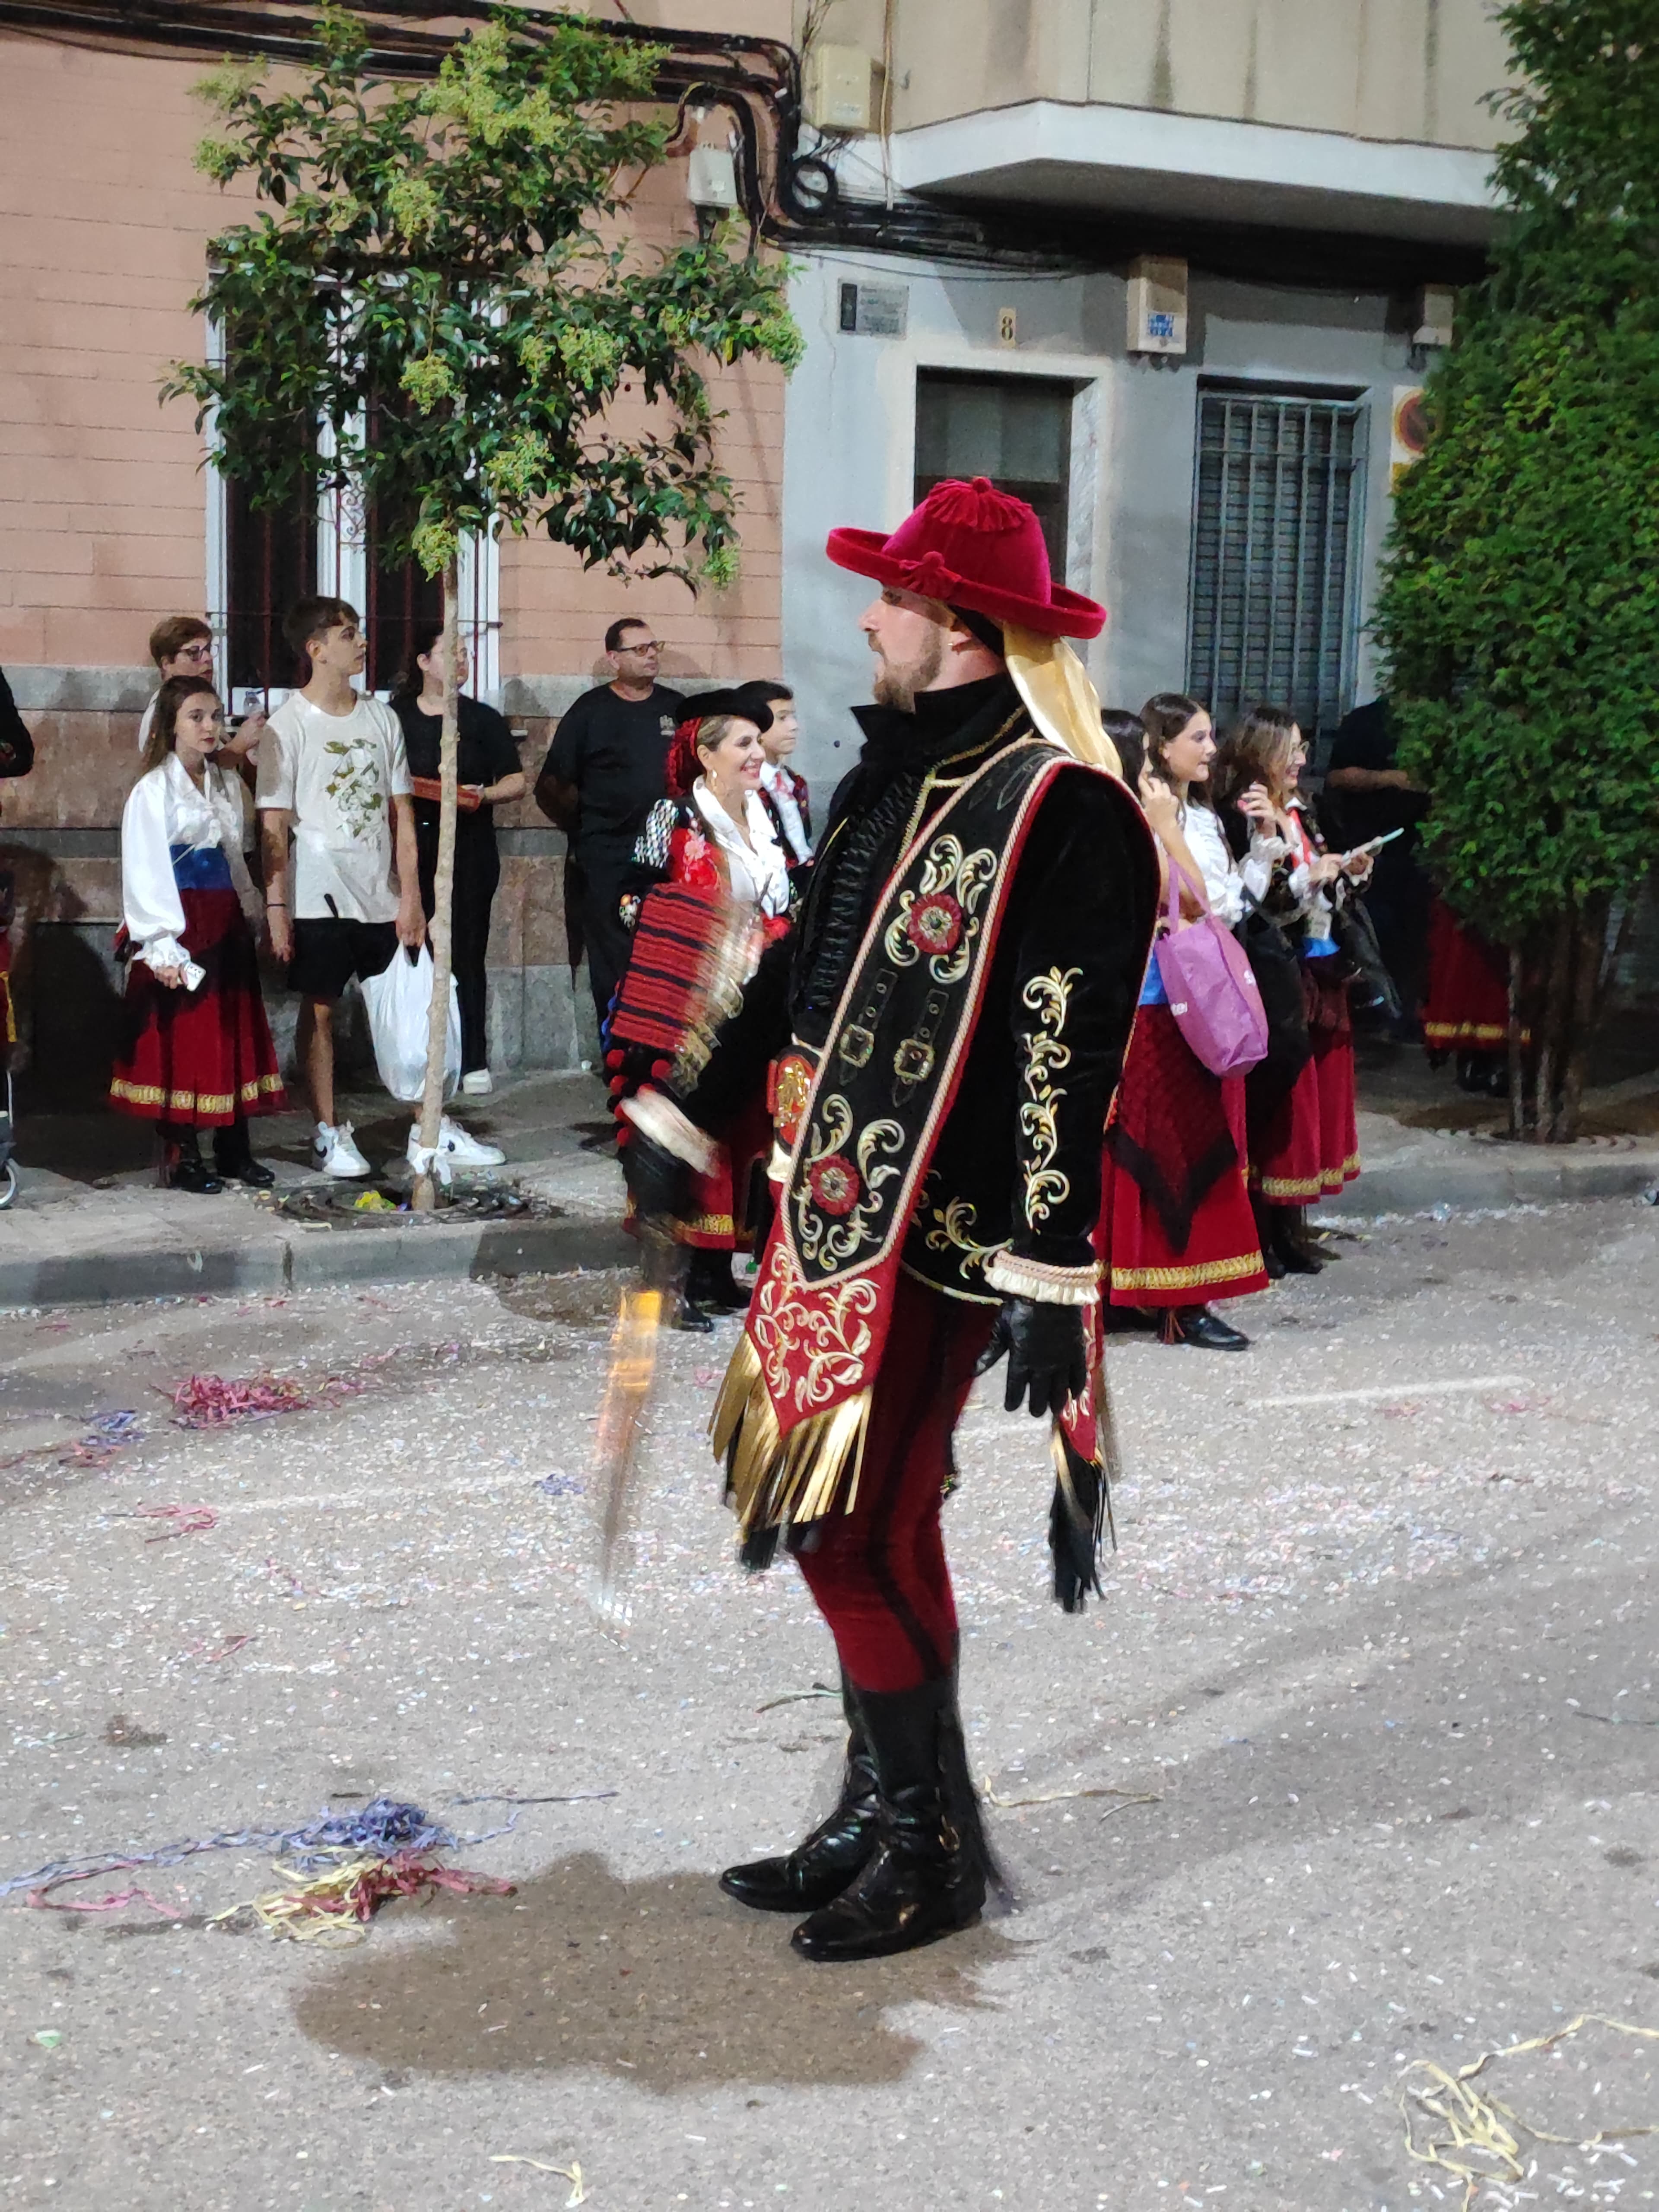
200 1055
1179 1232
182 645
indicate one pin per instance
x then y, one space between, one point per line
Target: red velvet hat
974 547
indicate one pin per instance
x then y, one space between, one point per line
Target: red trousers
879 1574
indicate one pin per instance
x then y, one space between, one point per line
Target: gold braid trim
772 1480
1187 1278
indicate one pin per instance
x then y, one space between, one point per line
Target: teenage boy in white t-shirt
333 775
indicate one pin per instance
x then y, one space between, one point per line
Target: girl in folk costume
202 1058
1303 1141
712 841
1177 1226
1468 1008
783 793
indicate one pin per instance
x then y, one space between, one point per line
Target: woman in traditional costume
1467 1009
711 841
202 1056
1178 1228
1303 1139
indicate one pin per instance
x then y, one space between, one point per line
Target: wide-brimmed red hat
972 546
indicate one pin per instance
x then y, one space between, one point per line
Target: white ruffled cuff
163 952
1042 1281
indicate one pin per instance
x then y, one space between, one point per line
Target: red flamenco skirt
201 1059
1468 999
1178 1228
1331 1029
1285 1146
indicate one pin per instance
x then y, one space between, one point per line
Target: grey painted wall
849 450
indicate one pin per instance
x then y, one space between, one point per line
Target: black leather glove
1048 1354
657 1181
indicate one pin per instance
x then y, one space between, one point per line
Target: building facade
112 517
1264 205
1171 268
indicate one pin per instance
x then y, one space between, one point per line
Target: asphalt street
1350 1777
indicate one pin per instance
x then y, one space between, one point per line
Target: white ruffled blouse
165 809
756 870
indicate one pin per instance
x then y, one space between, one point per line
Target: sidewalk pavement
79 1234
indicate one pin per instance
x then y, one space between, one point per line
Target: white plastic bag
399 1003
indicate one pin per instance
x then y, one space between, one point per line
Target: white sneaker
335 1153
457 1148
477 1083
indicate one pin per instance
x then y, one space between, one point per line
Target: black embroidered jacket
1015 1175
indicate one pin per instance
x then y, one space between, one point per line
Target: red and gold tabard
862 1121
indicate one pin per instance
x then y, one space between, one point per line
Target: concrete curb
1485 1183
303 1258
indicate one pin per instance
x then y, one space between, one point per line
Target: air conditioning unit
1157 306
841 88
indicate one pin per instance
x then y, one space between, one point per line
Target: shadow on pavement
664 1980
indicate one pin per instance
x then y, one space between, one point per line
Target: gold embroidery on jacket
1049 997
954 1224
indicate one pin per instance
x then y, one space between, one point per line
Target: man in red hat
945 1028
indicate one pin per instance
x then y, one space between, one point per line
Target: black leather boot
234 1160
929 1878
839 1848
1295 1255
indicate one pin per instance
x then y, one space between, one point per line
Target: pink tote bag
1213 993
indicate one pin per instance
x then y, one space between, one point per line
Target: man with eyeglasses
605 769
182 645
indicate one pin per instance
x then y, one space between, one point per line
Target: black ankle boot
1293 1254
186 1168
1198 1325
712 1286
823 1865
232 1158
928 1877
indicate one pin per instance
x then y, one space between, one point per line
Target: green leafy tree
435 276
1519 600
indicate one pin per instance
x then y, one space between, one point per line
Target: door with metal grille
1277 515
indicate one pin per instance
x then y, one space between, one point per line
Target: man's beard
897 687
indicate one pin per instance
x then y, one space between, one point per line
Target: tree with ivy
435 279
1519 607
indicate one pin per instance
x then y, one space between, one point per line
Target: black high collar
941 723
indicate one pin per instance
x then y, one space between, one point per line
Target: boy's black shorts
328 952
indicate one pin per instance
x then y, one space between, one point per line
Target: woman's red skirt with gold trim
1178 1228
1468 998
201 1059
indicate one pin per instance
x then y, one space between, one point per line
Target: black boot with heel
183 1167
838 1849
929 1875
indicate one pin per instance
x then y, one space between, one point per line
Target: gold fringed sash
773 1481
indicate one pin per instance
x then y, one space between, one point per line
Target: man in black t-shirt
488 775
606 767
1371 796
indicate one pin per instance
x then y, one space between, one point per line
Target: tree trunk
1517 1058
1585 1008
1558 993
443 892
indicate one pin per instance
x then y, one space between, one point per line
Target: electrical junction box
840 88
1437 310
711 177
875 311
1157 306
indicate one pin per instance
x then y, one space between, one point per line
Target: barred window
1278 511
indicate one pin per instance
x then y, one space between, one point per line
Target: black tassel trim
758 1549
1076 1519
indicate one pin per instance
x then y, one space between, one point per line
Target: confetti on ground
577 1797
798 1698
208 1401
38 1898
1063 1796
572 2173
188 1520
334 1907
1471 2134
